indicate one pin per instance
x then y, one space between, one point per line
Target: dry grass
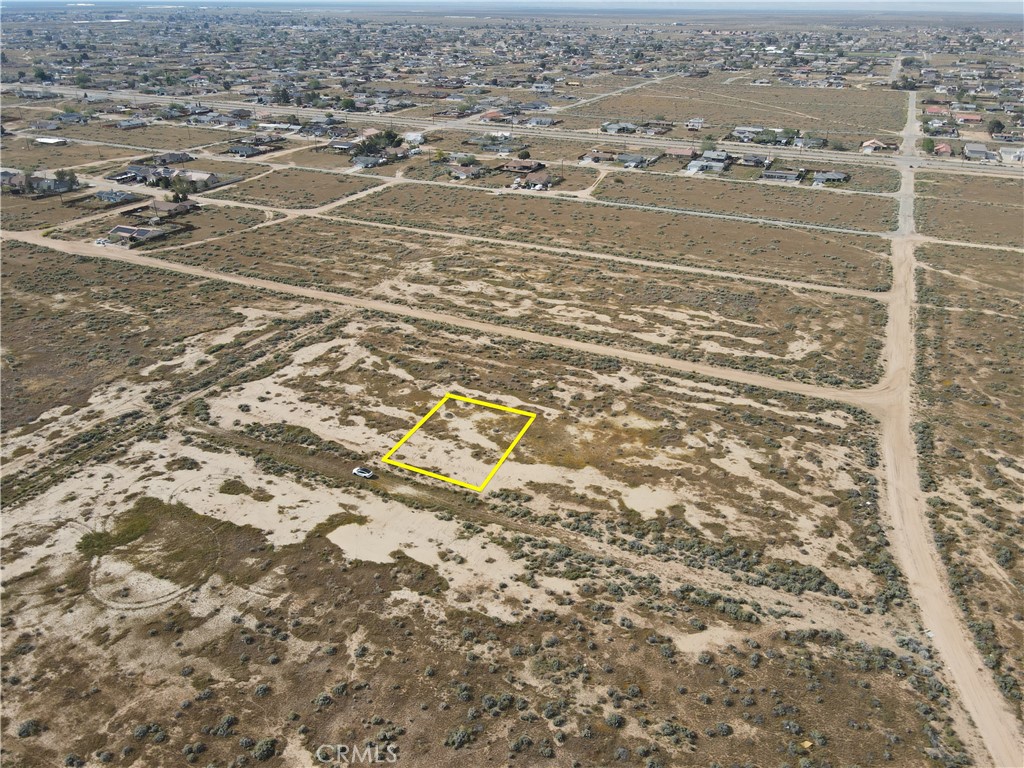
848 113
297 189
20 212
848 260
809 206
719 321
24 153
74 324
965 220
157 136
975 189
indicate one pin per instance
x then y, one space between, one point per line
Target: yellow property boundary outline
530 419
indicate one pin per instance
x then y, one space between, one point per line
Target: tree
82 79
64 179
181 187
524 154
928 145
29 181
347 104
40 74
995 125
707 144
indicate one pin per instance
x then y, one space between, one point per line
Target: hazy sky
811 7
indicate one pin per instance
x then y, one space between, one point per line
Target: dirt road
911 537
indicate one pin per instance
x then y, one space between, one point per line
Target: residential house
131 124
783 175
830 177
1012 155
874 145
630 160
943 150
968 118
244 151
538 180
463 172
342 145
129 236
683 153
71 118
170 158
597 156
51 141
39 184
695 124
115 196
755 161
707 166
977 151
619 128
717 156
202 179
521 166
809 142
746 133
166 209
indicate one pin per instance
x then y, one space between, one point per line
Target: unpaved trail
860 397
911 538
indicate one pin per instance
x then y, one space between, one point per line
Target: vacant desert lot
296 189
976 189
844 260
86 323
849 112
319 158
869 213
965 220
971 208
793 334
20 212
157 136
24 153
969 278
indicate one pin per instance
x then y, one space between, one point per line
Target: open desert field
971 440
296 189
870 213
20 212
203 529
620 303
325 159
651 468
850 260
846 114
157 136
973 209
24 153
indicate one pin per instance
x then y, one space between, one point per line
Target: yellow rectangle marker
529 420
